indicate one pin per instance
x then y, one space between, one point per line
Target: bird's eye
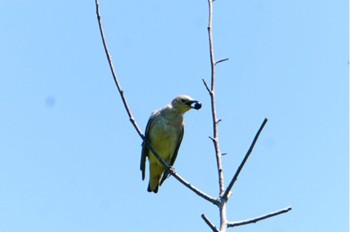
183 100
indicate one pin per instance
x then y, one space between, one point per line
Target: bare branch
132 120
255 220
215 139
209 223
229 187
114 74
222 60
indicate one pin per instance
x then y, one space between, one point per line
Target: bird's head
184 103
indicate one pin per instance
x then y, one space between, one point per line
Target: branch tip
222 60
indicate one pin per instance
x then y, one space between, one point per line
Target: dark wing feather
173 158
145 149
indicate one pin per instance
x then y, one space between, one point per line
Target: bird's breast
164 137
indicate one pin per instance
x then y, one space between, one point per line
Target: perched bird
164 132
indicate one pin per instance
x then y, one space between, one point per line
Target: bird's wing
145 149
173 158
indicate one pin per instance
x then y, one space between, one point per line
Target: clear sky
69 158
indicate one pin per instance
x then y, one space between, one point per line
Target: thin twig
132 120
206 86
255 220
211 225
222 60
229 187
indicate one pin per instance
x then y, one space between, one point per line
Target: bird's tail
155 190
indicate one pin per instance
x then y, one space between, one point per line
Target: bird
164 132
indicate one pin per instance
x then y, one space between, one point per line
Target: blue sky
69 158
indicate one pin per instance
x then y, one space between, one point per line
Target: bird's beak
195 104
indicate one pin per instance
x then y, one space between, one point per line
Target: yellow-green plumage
164 131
